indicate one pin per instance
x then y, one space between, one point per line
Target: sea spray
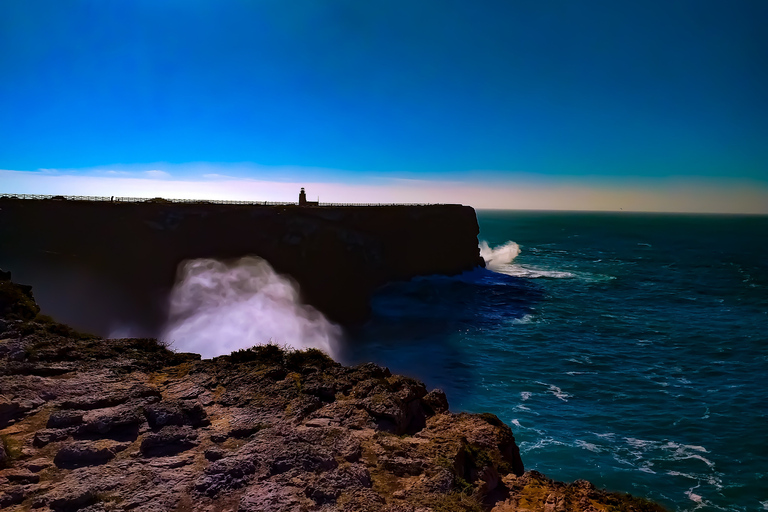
498 256
217 307
500 259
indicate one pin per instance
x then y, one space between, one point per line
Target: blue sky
621 102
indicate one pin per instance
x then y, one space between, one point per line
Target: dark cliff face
101 265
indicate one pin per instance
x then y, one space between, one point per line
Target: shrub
309 357
269 354
17 302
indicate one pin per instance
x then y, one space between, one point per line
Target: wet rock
168 441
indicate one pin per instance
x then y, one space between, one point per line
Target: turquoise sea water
630 350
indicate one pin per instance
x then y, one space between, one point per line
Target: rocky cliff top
98 424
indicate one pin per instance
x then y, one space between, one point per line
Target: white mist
217 307
499 256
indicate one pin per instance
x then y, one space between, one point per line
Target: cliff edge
98 424
96 265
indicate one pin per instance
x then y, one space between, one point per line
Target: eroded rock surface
97 425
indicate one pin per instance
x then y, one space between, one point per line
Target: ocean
627 349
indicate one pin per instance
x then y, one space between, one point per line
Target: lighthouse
303 199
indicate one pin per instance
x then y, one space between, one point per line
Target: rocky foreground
103 424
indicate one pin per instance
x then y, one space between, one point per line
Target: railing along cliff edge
161 200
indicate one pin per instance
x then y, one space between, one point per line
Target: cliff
125 424
97 265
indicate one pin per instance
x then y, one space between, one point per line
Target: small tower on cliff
302 197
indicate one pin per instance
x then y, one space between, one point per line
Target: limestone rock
87 453
169 441
133 426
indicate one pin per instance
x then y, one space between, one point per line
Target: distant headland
100 261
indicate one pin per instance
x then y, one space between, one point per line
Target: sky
591 105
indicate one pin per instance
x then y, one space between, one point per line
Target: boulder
169 441
87 453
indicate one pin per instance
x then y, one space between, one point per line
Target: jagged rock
304 458
329 485
70 497
20 476
13 495
274 497
169 441
15 408
225 475
131 426
436 401
402 466
38 465
102 421
87 453
64 419
177 412
213 454
49 435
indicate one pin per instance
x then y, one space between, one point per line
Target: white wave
559 393
501 255
525 395
526 319
693 496
697 457
541 443
519 425
501 259
639 443
684 475
219 307
531 273
588 446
